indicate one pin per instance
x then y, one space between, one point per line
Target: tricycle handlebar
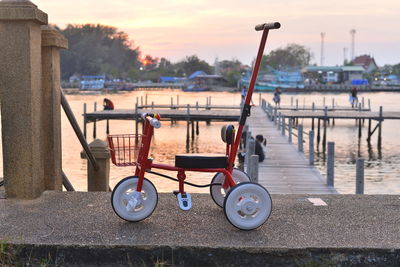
269 26
153 121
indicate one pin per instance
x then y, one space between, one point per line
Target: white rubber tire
123 192
218 193
247 206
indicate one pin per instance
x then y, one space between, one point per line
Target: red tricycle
246 205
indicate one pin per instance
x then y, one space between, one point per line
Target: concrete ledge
81 229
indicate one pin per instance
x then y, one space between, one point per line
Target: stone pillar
52 42
21 98
98 180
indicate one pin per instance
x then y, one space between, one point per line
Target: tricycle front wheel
131 205
217 192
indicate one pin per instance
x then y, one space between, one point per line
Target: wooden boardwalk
284 170
353 114
166 114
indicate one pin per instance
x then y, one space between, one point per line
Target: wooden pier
284 170
325 115
192 114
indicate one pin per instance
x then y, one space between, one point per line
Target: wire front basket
124 149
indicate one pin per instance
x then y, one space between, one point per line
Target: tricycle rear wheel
217 192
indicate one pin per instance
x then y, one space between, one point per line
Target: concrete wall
29 101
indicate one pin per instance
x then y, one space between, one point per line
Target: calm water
382 167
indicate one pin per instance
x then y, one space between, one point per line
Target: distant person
277 96
353 97
243 93
260 144
108 104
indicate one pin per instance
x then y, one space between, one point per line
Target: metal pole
66 183
290 129
360 176
78 132
330 164
94 122
283 125
300 137
311 147
84 120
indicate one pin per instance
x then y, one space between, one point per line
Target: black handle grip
269 26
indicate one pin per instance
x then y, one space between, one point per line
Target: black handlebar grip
269 26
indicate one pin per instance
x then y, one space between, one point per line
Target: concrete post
360 176
98 180
311 147
21 98
279 121
52 42
330 164
300 137
250 150
252 169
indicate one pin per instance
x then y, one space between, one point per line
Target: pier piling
252 169
250 150
300 137
311 147
380 127
360 176
330 173
369 131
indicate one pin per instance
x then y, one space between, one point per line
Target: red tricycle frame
244 210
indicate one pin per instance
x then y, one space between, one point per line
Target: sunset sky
225 29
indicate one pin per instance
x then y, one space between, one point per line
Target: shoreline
76 91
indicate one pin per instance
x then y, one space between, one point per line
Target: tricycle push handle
269 26
153 121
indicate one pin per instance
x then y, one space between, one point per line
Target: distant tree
191 64
149 62
231 71
292 56
396 69
97 49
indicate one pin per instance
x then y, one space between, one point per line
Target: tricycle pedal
184 201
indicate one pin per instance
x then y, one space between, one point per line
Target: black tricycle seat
201 161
